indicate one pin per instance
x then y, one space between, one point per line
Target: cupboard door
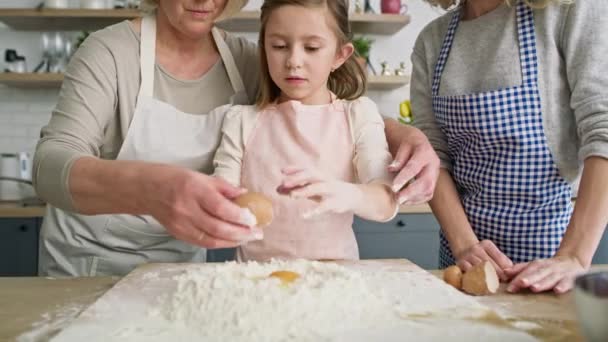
411 236
18 247
601 254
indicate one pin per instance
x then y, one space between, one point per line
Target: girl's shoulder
362 107
363 111
241 111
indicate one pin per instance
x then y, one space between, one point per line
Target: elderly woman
124 161
513 97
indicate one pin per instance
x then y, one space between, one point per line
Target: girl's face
302 49
193 18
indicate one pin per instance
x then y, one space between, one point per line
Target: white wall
24 111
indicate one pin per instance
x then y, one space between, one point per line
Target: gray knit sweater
573 74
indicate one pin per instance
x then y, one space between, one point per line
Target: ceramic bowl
591 297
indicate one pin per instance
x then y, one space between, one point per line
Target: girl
311 143
512 95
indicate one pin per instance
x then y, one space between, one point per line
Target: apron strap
233 72
526 36
445 51
527 44
147 55
148 58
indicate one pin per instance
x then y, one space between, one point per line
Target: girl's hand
332 196
482 251
540 275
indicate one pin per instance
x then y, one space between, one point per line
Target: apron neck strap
147 58
147 55
527 46
233 72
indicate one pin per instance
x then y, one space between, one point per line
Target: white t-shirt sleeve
372 155
236 128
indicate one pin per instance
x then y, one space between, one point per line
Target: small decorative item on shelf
405 112
385 69
368 7
14 62
358 7
362 46
400 71
393 7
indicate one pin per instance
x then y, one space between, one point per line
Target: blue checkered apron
510 188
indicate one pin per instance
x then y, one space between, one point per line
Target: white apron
80 245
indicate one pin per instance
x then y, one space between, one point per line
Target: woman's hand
415 163
197 208
482 251
540 275
332 196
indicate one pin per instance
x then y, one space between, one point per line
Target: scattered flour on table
243 303
240 302
50 323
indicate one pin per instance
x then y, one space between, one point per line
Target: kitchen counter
39 305
14 210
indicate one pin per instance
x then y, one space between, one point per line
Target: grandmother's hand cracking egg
259 205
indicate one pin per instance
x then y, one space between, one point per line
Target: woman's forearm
396 131
377 203
448 209
590 215
100 186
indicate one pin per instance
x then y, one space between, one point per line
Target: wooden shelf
375 82
63 19
89 20
46 80
31 80
249 21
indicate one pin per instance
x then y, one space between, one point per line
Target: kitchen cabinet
19 246
601 254
411 236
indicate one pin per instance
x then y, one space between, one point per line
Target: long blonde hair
445 4
347 82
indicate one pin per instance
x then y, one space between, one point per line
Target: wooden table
27 304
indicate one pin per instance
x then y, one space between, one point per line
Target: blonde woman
125 161
513 97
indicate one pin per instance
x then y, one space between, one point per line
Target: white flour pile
240 302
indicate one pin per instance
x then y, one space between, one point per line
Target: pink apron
318 137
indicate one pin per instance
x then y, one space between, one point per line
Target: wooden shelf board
375 82
63 19
245 21
31 80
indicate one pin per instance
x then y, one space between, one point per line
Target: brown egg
259 205
286 277
453 276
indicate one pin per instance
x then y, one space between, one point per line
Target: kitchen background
24 111
413 234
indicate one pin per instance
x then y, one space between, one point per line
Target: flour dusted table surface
42 305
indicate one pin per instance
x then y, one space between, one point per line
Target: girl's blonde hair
347 82
445 4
